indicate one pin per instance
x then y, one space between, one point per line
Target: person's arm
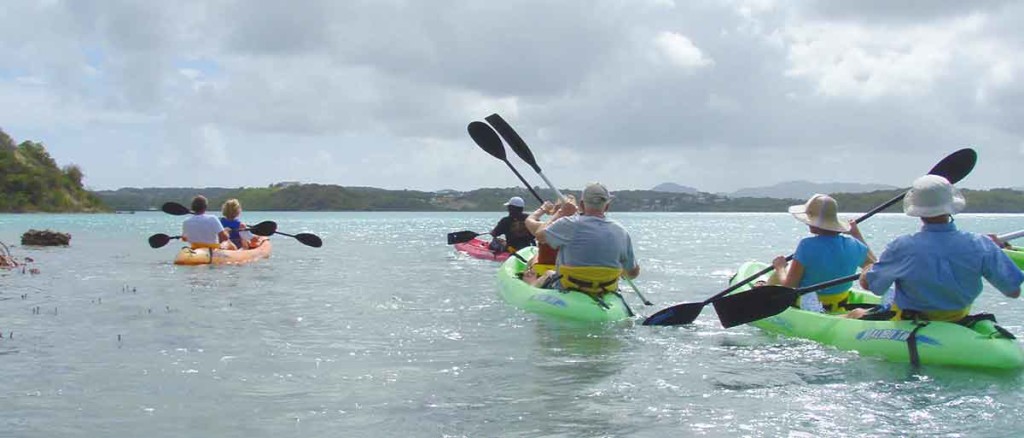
1002 272
630 268
791 277
533 223
501 228
566 210
884 272
870 259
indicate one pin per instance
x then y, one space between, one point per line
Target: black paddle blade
265 228
752 305
513 139
159 240
487 139
956 166
309 239
175 209
461 237
684 313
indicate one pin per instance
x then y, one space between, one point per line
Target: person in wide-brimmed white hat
827 254
938 271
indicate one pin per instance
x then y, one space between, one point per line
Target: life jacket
833 303
546 256
594 280
198 245
930 315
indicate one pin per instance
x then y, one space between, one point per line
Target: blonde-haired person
825 255
231 212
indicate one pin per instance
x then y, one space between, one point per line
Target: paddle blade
757 303
956 166
684 313
158 240
461 237
309 239
513 139
487 139
175 209
265 228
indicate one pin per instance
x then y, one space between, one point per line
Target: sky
717 95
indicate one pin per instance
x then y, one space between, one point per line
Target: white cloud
679 50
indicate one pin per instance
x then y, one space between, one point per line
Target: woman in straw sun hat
825 255
938 270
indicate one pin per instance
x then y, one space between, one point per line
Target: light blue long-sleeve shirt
940 268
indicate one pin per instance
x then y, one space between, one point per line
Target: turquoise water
385 331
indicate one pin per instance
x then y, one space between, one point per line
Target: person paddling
513 227
203 230
593 251
231 211
937 271
825 255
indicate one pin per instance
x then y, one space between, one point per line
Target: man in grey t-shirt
590 239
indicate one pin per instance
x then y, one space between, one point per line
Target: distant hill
674 188
30 181
321 197
804 189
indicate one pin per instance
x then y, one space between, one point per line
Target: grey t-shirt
591 241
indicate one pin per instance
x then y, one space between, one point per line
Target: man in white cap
513 227
593 251
825 255
938 271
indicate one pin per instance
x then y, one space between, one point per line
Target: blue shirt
591 241
940 268
232 225
826 258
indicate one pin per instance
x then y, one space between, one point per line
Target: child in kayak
542 265
230 212
825 255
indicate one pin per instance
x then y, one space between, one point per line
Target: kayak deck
568 305
203 256
479 249
984 345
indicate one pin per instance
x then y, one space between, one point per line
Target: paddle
265 228
519 147
488 140
762 302
1010 236
523 151
461 237
954 168
177 209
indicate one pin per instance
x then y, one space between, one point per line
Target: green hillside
30 181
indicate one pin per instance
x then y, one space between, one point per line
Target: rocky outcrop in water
45 238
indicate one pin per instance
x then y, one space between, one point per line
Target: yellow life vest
931 315
540 268
198 245
595 280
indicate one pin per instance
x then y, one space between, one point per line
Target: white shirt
202 228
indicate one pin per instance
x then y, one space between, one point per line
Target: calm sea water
385 331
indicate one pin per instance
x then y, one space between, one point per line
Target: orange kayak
204 256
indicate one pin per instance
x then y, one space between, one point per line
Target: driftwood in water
45 238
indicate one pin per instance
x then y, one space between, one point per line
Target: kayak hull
571 305
478 249
939 343
202 256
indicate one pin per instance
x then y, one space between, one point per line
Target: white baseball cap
516 201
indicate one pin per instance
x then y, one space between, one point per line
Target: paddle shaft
534 193
1010 236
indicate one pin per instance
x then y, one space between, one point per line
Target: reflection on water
385 331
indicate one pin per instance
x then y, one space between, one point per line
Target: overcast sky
718 95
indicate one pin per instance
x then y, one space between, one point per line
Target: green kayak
984 345
1017 255
576 306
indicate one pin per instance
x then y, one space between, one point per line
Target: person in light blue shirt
827 254
593 251
937 271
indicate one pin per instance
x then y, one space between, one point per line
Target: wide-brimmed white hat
820 211
516 201
931 196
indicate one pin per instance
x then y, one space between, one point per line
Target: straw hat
820 211
931 196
